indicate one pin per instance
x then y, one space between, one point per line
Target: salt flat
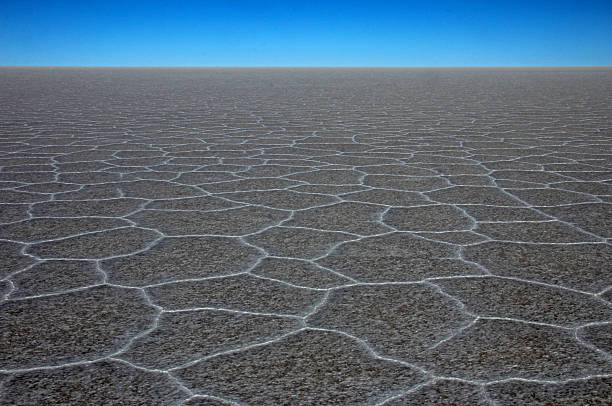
305 236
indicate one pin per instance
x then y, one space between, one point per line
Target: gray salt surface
305 236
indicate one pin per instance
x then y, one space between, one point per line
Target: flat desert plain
305 236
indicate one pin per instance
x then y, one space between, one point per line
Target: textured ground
305 237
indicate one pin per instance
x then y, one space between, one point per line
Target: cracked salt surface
199 237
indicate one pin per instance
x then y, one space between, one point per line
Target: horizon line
306 66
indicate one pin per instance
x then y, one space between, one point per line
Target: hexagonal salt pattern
311 365
82 325
306 237
115 383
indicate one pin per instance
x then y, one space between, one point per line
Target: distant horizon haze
466 67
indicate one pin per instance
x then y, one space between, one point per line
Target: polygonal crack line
356 339
461 257
441 175
552 220
11 289
65 291
413 389
339 194
532 380
164 235
319 206
575 180
36 260
461 306
177 382
432 381
29 243
145 332
97 262
596 198
482 391
458 246
517 279
253 344
245 271
101 271
602 242
466 214
284 282
454 332
233 311
52 367
112 356
517 320
569 224
574 330
380 218
211 397
577 336
140 208
603 292
31 208
332 247
483 385
266 255
151 244
360 237
317 306
280 225
317 265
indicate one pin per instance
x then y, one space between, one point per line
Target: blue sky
309 33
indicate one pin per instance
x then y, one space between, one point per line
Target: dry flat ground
305 236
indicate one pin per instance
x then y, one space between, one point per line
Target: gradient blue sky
309 33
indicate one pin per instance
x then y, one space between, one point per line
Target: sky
305 33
